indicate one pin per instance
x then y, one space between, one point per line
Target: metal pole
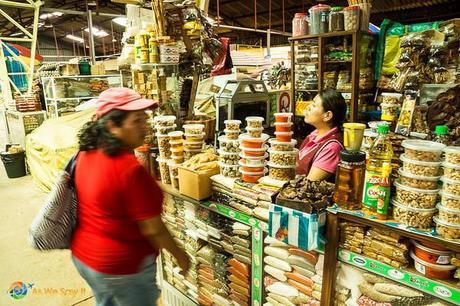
269 55
17 4
34 46
74 12
92 52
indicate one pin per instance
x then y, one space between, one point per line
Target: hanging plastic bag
223 63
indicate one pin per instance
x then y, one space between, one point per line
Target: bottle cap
352 156
336 8
441 130
383 129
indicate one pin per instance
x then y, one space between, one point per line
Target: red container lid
320 7
352 7
298 15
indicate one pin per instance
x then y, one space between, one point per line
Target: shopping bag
305 231
53 226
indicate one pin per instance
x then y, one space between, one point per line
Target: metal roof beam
75 12
28 5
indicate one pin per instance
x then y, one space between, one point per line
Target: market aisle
20 200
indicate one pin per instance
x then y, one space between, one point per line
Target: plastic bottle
154 57
383 200
378 166
442 135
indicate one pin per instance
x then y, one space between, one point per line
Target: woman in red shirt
119 229
319 153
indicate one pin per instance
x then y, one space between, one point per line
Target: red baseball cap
123 99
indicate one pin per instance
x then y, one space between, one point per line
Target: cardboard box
196 185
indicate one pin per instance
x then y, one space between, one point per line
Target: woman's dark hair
334 102
94 135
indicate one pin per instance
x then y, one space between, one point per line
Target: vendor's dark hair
334 102
94 135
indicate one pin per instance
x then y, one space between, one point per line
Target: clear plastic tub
284 127
232 124
417 181
390 111
176 135
176 144
423 150
450 186
193 145
173 168
164 170
391 98
434 256
449 215
228 158
165 129
232 134
193 128
319 18
420 168
178 159
283 117
229 145
452 155
281 145
253 142
163 145
254 132
175 182
414 197
283 158
251 167
177 152
195 137
250 160
164 120
254 122
284 136
416 217
450 200
431 270
254 152
252 177
451 171
447 230
300 24
229 170
351 16
282 173
189 153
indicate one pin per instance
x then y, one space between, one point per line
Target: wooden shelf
329 34
338 62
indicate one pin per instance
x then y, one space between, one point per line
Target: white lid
242 155
284 114
273 165
161 135
186 142
284 133
264 148
449 181
162 160
273 141
445 194
411 189
166 126
423 145
448 209
232 121
418 135
164 118
252 166
293 152
284 123
223 153
224 165
195 135
193 126
247 137
420 210
430 250
431 265
254 129
232 131
258 119
254 173
452 149
405 159
177 149
442 222
175 134
450 165
192 150
418 177
224 138
391 94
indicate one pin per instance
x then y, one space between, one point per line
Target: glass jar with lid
336 19
319 18
300 24
349 180
351 16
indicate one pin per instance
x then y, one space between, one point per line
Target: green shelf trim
440 290
257 273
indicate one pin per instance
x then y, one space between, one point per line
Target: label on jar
375 189
419 267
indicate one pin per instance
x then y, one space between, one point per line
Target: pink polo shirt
328 158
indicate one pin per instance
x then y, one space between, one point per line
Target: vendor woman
319 153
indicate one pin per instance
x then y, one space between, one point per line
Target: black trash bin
14 163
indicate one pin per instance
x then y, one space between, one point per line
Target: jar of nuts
420 168
449 215
163 145
165 129
232 125
282 173
450 186
254 122
416 217
283 158
189 153
450 200
414 197
391 98
164 170
417 181
282 146
254 132
390 111
196 129
228 158
195 137
229 145
232 134
164 120
229 170
176 135
451 171
351 16
423 150
193 145
452 155
250 160
447 230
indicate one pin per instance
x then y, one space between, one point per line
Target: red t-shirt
113 194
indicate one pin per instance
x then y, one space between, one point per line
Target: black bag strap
70 168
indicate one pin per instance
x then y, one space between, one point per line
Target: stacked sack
168 217
417 191
282 153
253 148
194 139
206 279
386 247
352 237
229 149
448 220
176 143
164 125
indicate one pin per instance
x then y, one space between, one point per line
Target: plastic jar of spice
349 180
351 14
300 24
336 19
319 18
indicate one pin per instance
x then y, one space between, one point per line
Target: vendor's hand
183 261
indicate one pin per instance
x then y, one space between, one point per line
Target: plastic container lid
320 7
254 129
264 148
223 153
352 8
450 166
284 133
420 210
177 157
224 165
441 130
164 118
257 119
252 166
176 142
354 126
232 131
448 209
418 177
254 173
284 115
177 149
298 15
423 145
449 181
439 221
352 156
284 123
193 126
293 152
273 165
273 141
175 134
383 129
412 189
405 159
449 195
242 155
375 124
192 150
195 135
430 250
391 94
247 137
186 142
431 265
232 121
336 8
452 149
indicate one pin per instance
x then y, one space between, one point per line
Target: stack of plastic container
229 149
253 155
194 139
164 125
417 189
282 152
176 143
448 220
